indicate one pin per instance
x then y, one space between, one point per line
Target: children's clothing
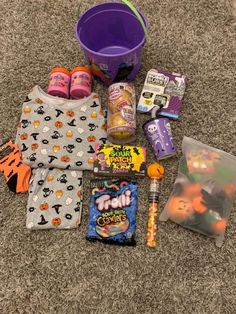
55 199
61 133
58 137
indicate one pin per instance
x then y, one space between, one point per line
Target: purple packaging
162 88
158 133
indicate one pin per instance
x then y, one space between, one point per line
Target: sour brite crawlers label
120 160
112 217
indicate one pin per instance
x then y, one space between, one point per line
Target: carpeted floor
59 271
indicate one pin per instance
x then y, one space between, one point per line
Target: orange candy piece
198 205
192 190
180 208
229 189
219 226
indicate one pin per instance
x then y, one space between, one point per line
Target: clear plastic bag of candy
112 212
203 192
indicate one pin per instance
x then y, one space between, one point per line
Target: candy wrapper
119 160
203 191
113 208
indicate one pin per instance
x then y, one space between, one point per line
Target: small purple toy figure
158 133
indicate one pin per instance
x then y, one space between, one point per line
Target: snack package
203 192
113 208
119 160
164 89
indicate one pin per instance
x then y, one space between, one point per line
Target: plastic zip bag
203 192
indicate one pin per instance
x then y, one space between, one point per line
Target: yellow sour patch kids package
120 160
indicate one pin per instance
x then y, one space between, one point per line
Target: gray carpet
58 271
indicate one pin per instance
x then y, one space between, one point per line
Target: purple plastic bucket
112 39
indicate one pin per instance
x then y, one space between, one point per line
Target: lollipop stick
152 213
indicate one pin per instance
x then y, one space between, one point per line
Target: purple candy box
162 88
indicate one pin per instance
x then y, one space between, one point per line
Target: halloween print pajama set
57 138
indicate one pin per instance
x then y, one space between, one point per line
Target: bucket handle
139 17
78 10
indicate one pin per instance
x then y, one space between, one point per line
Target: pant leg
55 199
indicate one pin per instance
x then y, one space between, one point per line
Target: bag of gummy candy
112 212
203 192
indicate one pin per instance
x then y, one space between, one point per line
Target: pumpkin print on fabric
91 138
65 158
44 206
70 113
56 221
34 146
38 101
24 136
58 124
